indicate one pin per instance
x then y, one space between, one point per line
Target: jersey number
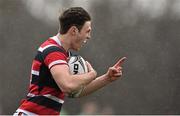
76 67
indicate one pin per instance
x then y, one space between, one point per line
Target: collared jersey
44 96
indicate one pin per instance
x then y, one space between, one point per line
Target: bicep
61 75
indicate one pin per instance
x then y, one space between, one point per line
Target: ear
73 30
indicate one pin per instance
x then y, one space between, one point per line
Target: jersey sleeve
54 56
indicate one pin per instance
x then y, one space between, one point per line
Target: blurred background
147 32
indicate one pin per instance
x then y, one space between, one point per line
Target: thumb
113 70
89 67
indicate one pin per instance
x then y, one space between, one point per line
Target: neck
64 39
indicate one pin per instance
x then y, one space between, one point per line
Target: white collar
55 38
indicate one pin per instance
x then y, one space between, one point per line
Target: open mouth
85 41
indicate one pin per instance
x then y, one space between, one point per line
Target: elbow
72 90
68 85
69 88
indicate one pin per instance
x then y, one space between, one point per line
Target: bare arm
95 85
69 83
112 74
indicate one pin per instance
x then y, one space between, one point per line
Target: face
81 37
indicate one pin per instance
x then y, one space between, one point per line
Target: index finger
120 62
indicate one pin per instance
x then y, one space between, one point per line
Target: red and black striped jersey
44 96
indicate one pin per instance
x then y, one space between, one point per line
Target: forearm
96 84
81 80
69 83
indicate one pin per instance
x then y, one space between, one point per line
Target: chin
76 49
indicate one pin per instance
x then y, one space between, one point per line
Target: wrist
108 78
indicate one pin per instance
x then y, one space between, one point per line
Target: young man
50 76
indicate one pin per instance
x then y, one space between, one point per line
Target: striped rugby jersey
44 96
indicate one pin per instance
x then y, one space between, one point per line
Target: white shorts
20 112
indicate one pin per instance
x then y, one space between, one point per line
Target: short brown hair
74 16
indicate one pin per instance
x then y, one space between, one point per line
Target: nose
88 37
